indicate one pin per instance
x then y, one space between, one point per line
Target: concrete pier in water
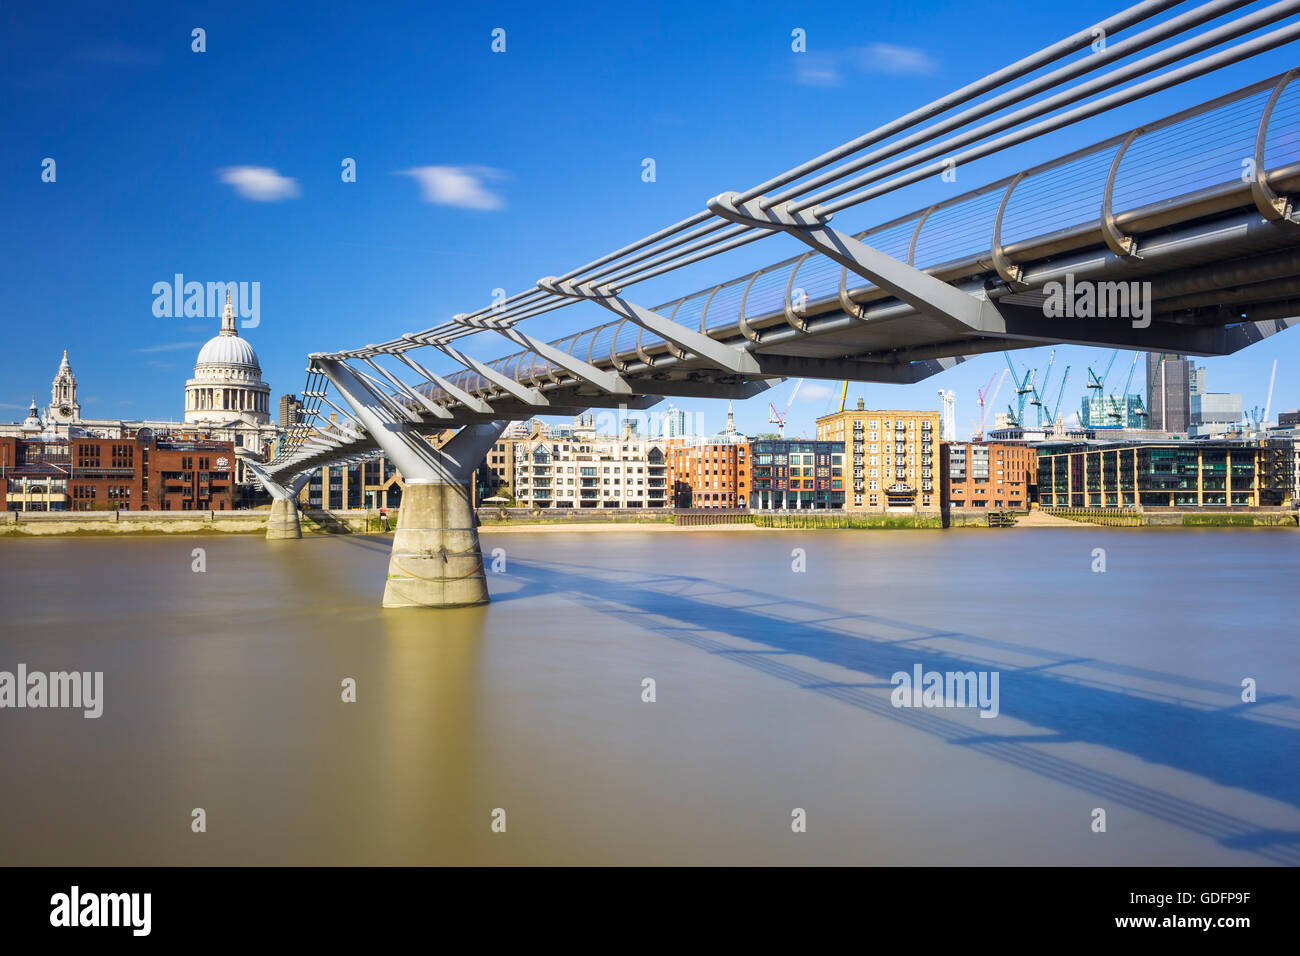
436 559
283 521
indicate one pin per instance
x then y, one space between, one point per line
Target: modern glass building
1173 475
1112 411
796 475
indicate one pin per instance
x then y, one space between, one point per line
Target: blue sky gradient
556 128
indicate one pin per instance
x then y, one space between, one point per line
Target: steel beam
472 402
726 357
925 293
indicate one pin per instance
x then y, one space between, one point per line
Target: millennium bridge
1182 230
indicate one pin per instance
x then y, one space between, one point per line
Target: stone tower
63 395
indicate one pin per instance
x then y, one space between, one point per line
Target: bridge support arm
283 522
726 357
928 295
436 560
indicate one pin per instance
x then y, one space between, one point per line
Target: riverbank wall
38 524
360 521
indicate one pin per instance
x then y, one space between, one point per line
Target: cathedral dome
228 350
227 385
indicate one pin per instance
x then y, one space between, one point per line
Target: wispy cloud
168 347
895 60
818 69
829 68
813 392
11 405
161 365
259 183
460 186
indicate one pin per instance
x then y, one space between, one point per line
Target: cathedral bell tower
63 395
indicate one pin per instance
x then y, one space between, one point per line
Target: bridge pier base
283 522
436 560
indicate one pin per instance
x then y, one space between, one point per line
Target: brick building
708 474
995 475
106 474
893 457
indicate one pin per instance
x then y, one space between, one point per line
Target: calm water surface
1118 690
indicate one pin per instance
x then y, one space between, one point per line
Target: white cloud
895 60
817 69
828 69
460 186
813 392
260 183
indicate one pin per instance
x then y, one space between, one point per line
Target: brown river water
1118 691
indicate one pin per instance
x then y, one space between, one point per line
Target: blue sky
540 148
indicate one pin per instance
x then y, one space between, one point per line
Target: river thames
1119 691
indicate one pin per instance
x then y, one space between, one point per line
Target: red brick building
709 475
997 475
107 474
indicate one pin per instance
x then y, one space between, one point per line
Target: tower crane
778 418
1115 415
984 402
1023 387
1100 383
1037 400
1059 393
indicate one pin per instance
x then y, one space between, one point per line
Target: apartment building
709 472
588 470
891 457
993 475
794 475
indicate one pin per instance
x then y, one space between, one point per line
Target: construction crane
1051 417
985 402
1115 415
778 418
1037 400
1100 383
1024 387
844 393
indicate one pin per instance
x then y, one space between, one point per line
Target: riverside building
892 458
586 470
995 475
1188 474
109 474
793 475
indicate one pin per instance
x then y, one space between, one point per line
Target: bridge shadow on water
1218 744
